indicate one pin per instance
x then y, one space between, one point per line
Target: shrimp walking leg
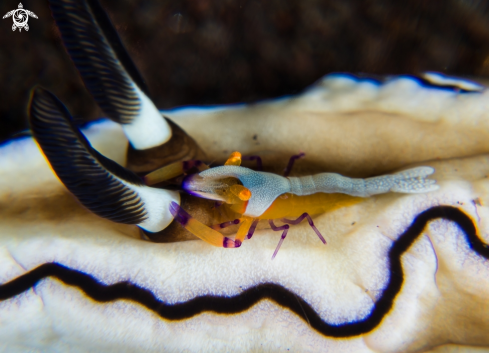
243 230
311 223
292 159
225 224
251 231
259 164
199 229
285 229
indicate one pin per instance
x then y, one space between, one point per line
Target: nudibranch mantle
341 281
400 273
365 127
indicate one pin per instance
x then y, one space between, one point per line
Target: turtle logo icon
20 17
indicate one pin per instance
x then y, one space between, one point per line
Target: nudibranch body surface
365 128
400 273
346 289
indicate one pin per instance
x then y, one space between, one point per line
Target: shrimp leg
292 159
200 230
251 231
285 229
259 164
246 229
311 223
225 224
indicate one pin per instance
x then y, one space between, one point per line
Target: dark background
226 51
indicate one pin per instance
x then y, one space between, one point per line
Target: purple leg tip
174 208
179 214
228 243
279 244
285 229
251 231
319 234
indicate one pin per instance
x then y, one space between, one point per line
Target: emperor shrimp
258 195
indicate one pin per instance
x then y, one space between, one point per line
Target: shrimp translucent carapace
257 195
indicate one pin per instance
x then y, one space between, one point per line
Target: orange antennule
234 159
243 193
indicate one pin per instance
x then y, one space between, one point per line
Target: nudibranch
400 273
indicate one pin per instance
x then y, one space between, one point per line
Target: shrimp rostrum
257 195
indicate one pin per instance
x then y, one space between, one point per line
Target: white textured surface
341 280
343 126
353 127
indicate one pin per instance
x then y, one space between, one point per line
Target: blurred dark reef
194 52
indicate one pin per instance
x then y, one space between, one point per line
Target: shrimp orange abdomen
290 205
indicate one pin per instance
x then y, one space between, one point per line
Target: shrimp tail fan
414 180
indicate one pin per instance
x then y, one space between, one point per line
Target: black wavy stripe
100 68
441 86
84 171
245 300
